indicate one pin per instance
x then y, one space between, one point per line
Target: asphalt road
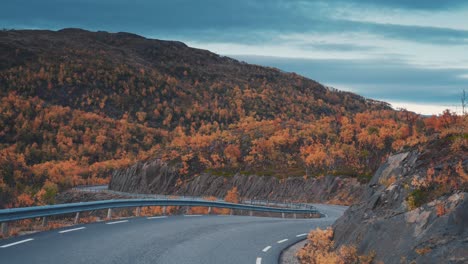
167 240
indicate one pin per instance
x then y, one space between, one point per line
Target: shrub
232 195
416 198
320 250
440 209
47 194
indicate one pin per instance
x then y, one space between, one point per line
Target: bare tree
464 114
463 101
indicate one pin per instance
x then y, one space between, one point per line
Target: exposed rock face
384 222
74 196
157 177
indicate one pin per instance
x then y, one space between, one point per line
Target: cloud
426 109
378 79
336 46
210 18
421 34
412 5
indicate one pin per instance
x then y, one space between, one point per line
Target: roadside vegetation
320 249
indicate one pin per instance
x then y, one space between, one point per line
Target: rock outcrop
414 210
159 178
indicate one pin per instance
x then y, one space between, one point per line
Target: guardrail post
44 221
137 211
282 215
232 212
294 215
251 213
209 210
109 213
77 218
4 230
164 210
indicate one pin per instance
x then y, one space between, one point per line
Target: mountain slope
75 105
123 73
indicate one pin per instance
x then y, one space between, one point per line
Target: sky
412 54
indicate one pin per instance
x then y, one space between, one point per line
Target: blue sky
413 54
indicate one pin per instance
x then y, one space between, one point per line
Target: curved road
175 239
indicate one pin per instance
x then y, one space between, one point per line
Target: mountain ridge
150 53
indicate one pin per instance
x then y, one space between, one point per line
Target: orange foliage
232 195
320 250
151 211
172 210
461 172
24 200
198 210
440 209
62 146
88 219
233 154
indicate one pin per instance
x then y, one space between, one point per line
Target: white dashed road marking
301 235
156 217
282 241
117 222
266 249
192 215
71 230
16 243
259 261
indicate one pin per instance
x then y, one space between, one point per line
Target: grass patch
281 173
221 173
417 198
453 137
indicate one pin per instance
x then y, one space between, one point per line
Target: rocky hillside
414 210
159 178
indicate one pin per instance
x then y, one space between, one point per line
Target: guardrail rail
7 215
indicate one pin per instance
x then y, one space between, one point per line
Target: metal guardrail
7 215
49 210
104 189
